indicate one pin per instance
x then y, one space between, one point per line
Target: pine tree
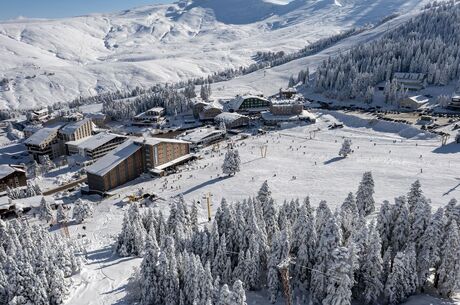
414 195
46 213
61 214
82 210
364 195
372 269
220 260
400 284
329 239
400 231
348 216
421 214
231 162
239 293
449 270
346 148
385 224
430 246
339 283
323 215
131 240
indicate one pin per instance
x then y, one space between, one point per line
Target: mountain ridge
47 61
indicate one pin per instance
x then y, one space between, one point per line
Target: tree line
333 257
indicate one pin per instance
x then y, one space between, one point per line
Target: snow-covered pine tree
385 224
329 240
371 270
323 215
420 218
232 162
220 260
400 232
364 196
61 214
348 216
131 240
430 247
448 273
414 195
239 294
46 213
278 253
400 284
82 210
345 150
452 211
339 283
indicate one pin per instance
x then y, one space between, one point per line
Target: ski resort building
38 115
287 93
413 102
76 131
206 111
12 176
44 142
202 136
248 104
95 147
232 120
275 120
411 81
286 109
161 153
149 117
133 158
99 119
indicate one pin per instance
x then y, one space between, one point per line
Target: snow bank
401 129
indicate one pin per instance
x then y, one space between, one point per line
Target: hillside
46 61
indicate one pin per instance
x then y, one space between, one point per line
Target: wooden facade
15 179
128 169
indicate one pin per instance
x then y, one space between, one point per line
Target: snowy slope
394 157
47 61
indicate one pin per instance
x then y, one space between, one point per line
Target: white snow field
395 153
48 61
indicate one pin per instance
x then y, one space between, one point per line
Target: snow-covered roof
41 136
237 101
419 99
6 170
409 76
228 117
289 90
154 141
98 115
199 134
268 116
95 141
156 109
41 111
32 128
175 161
72 127
113 158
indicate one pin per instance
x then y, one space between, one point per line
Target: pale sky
11 9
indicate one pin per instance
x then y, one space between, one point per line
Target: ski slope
48 61
394 154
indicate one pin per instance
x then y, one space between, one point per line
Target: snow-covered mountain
47 61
